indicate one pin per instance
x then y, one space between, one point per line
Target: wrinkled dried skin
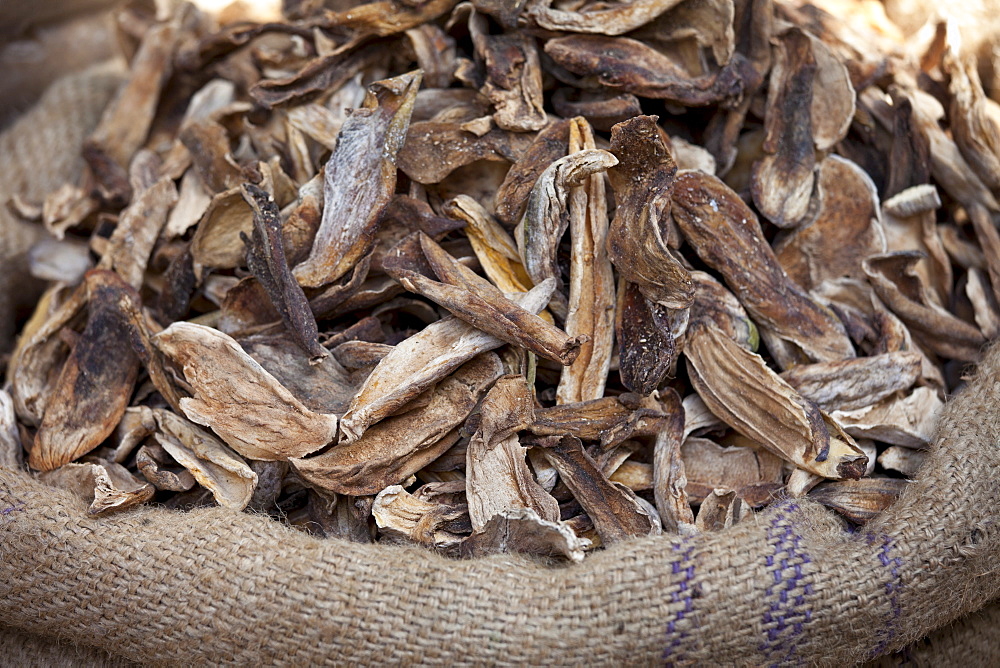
521 530
495 249
859 500
324 388
898 285
833 99
643 184
240 401
136 424
739 387
433 149
726 235
192 202
11 456
855 383
497 475
266 260
591 284
208 143
714 304
64 208
989 240
720 510
386 17
475 300
948 166
317 122
782 181
396 448
217 240
127 119
904 460
138 229
698 418
669 477
420 361
354 200
327 72
546 217
974 124
616 19
984 304
513 77
96 382
400 515
634 67
549 145
602 109
909 157
217 468
919 232
648 339
108 486
588 420
40 351
709 466
909 420
846 229
155 465
614 509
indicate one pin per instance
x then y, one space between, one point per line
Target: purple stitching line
892 588
684 593
787 616
16 507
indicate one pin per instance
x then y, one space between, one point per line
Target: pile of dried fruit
525 276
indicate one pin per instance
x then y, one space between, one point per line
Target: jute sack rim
791 586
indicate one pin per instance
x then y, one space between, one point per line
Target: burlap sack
213 586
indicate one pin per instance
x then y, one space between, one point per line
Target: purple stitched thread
16 507
684 569
788 588
892 587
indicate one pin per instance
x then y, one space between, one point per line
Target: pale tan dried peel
391 451
859 500
846 229
522 530
474 299
217 468
897 284
709 466
420 361
40 351
726 235
909 420
974 119
367 144
855 383
782 181
604 19
720 510
494 248
904 460
95 384
739 387
591 311
106 485
11 454
669 477
240 401
497 475
217 239
400 515
545 218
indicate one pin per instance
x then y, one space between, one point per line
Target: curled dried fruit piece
739 387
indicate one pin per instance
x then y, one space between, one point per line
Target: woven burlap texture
790 586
